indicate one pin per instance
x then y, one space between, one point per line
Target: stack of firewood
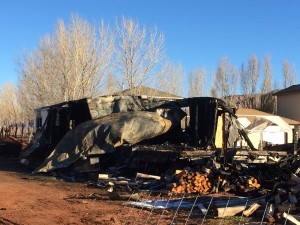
191 183
250 182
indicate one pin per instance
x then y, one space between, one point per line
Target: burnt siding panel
203 121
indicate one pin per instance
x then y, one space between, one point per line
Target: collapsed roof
114 122
103 135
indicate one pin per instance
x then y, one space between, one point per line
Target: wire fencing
152 208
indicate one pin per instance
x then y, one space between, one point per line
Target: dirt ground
35 199
29 199
43 199
26 200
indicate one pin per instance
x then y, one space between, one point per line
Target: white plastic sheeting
244 121
260 123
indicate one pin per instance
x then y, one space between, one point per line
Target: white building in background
265 127
288 102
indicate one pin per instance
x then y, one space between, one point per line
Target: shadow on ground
9 157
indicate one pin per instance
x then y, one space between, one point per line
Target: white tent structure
272 129
260 123
244 121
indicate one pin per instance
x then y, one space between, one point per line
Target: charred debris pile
192 146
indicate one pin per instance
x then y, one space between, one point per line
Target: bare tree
266 85
226 81
111 84
288 74
138 53
198 83
10 112
171 79
253 71
276 87
249 79
68 65
266 98
246 90
213 90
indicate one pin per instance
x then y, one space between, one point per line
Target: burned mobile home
169 149
53 122
155 131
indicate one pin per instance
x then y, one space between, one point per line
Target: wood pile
253 183
191 183
248 183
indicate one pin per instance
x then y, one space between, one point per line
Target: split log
103 176
251 209
191 183
229 211
297 171
206 170
252 182
248 184
143 175
293 218
179 171
121 182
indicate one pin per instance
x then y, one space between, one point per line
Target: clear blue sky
197 32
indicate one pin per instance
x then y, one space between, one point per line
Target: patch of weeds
237 219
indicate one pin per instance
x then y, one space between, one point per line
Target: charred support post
224 137
241 131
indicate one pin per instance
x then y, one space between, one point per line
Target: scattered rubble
171 150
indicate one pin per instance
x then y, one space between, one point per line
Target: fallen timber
260 156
